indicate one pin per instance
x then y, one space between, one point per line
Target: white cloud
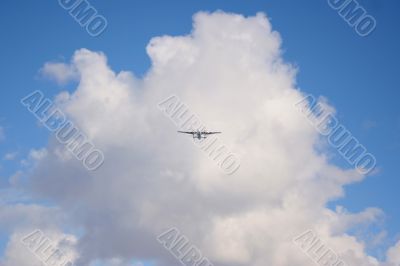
37 155
230 72
393 254
10 156
18 220
19 254
60 72
16 178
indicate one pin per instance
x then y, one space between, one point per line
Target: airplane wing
209 133
187 132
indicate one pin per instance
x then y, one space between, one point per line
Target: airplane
199 134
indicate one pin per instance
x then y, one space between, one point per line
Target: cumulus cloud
393 254
19 220
229 71
18 252
59 72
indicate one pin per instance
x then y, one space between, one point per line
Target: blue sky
357 74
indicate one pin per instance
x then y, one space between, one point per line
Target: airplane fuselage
198 134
